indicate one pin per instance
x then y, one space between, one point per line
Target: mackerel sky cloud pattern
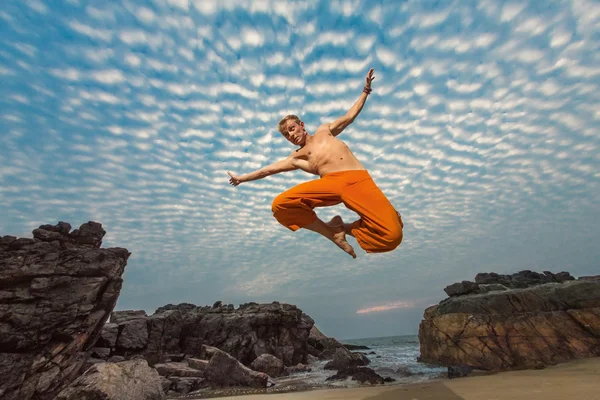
482 129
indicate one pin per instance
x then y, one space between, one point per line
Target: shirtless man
343 180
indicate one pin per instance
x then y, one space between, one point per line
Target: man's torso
324 153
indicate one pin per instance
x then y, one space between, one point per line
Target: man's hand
370 78
234 180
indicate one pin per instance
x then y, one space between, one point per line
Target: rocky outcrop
533 321
321 346
56 291
344 359
360 374
131 380
223 371
245 333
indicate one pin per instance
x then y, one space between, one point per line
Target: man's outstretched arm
287 164
340 124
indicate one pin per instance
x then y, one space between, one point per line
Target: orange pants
378 230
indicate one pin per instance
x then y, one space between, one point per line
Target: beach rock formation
360 374
344 359
321 346
56 291
529 320
245 333
131 380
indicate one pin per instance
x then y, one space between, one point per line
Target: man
343 180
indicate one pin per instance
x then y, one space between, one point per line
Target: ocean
392 356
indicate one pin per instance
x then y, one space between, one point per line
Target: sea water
392 356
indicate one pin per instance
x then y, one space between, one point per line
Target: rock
116 359
184 385
133 335
490 287
355 347
404 371
523 279
542 324
198 364
269 364
131 380
322 346
299 368
590 278
360 374
108 336
223 371
180 369
458 371
344 359
101 352
247 332
56 292
461 288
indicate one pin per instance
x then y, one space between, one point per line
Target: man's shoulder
323 129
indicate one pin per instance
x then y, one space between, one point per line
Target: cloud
483 120
386 307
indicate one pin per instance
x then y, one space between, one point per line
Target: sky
482 129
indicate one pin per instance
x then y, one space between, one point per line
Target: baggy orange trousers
378 230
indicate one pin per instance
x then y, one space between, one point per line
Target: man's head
293 129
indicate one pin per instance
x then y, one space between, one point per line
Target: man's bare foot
338 221
339 235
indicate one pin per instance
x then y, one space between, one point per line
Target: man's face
294 132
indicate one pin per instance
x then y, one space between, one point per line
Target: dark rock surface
360 374
245 333
223 370
543 320
269 364
56 292
344 359
131 380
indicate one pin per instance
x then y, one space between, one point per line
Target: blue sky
482 129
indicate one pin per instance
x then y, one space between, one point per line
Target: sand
577 380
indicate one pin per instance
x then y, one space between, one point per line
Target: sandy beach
578 380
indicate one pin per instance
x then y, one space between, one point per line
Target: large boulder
529 327
269 364
344 358
321 346
224 371
131 380
56 292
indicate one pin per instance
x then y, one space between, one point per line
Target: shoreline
576 379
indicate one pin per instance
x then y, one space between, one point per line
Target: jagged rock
344 359
269 364
531 327
251 330
295 369
198 364
180 369
108 336
56 292
131 380
321 346
184 385
523 279
101 352
491 287
355 347
459 371
461 288
223 371
360 374
133 335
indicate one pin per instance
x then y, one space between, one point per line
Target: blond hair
281 125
